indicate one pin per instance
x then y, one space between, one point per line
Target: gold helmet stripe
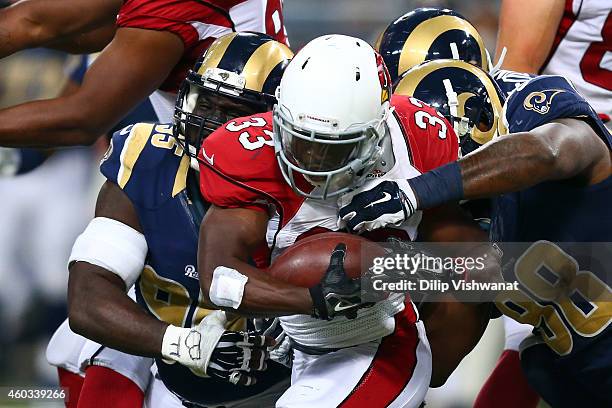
417 44
415 76
462 98
262 62
215 52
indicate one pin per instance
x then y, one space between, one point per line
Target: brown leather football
304 263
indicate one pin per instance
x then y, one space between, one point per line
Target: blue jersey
510 81
149 166
558 211
576 324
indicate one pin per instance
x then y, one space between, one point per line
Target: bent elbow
77 319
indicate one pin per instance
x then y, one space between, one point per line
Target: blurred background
42 213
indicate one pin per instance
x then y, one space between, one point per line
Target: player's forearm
227 238
262 296
527 30
100 310
33 23
511 163
507 165
48 123
86 43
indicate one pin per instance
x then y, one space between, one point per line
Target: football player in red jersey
274 177
154 45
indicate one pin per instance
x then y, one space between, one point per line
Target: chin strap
461 128
500 61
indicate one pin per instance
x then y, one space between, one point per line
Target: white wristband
227 287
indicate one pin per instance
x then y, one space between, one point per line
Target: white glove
10 159
209 350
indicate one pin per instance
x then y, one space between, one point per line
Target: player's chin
336 182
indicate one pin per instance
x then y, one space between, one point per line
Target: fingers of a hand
337 256
241 378
258 359
256 340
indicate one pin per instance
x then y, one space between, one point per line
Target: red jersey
199 22
240 170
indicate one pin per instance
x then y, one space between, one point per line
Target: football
304 263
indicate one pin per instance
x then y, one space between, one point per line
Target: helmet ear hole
463 93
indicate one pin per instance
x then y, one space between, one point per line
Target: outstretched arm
556 151
35 23
87 42
562 149
134 64
227 238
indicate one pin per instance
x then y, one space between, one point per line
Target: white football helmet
329 123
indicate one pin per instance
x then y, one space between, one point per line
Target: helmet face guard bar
253 101
340 178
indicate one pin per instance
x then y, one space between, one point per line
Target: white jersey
582 51
372 323
420 140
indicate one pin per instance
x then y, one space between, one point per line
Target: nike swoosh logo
210 159
386 197
339 307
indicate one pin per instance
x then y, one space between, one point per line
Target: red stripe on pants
392 366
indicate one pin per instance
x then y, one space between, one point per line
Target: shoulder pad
144 161
546 98
238 166
431 138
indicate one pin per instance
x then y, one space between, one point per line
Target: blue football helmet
428 34
466 95
236 76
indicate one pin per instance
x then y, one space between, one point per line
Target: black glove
337 294
386 204
237 355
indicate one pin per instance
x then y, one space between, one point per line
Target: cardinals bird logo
384 78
